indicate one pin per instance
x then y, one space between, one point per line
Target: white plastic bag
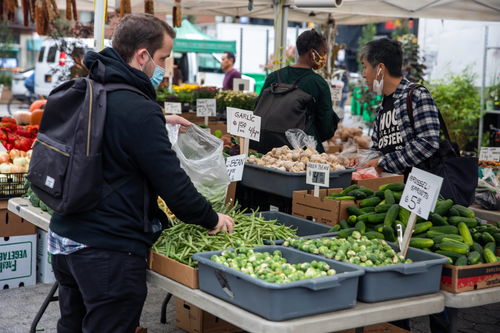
299 139
201 157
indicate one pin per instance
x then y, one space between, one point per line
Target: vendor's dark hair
386 51
230 55
310 39
137 31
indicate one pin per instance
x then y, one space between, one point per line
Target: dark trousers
100 291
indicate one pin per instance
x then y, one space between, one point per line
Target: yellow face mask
319 60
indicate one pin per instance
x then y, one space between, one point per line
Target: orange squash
38 104
36 117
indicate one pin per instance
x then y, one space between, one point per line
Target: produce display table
488 215
363 314
471 299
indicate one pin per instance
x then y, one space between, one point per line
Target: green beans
183 240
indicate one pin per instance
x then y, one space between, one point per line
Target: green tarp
190 39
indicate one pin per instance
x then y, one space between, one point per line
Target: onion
4 157
21 161
14 153
17 169
28 153
5 167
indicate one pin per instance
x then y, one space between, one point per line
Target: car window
40 55
51 54
208 63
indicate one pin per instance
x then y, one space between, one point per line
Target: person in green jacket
321 119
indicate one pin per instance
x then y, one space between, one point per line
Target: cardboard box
379 328
13 225
457 279
44 271
17 261
174 270
326 211
375 183
194 320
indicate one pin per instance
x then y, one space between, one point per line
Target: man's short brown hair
137 31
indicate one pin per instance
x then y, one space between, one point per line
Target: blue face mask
158 74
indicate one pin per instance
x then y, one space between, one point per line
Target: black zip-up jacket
135 146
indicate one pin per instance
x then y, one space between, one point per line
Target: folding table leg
163 318
50 298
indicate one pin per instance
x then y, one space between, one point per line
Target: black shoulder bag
460 174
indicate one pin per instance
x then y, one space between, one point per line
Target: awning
191 39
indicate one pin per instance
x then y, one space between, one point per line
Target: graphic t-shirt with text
389 138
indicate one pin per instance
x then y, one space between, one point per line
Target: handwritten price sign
173 108
421 192
243 123
206 107
234 166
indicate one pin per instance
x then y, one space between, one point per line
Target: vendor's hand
225 223
353 162
178 120
374 163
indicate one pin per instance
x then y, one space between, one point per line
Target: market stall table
363 314
488 215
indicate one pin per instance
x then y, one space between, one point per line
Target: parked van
54 61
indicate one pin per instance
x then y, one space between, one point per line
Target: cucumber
369 202
349 189
353 210
397 187
344 224
367 191
464 232
364 217
344 198
397 196
359 195
376 217
439 238
344 233
422 227
477 247
464 211
454 247
473 257
361 227
382 208
379 194
453 212
496 235
421 243
373 235
446 229
404 215
433 233
443 207
367 210
388 233
389 197
453 255
491 246
486 238
335 228
489 256
392 214
469 222
352 220
461 261
437 219
382 202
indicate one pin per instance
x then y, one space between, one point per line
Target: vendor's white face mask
378 85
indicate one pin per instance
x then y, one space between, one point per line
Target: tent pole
99 15
280 31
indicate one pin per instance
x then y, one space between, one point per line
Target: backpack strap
409 107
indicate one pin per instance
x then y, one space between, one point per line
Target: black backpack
66 163
281 106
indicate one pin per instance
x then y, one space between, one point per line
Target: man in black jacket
99 257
